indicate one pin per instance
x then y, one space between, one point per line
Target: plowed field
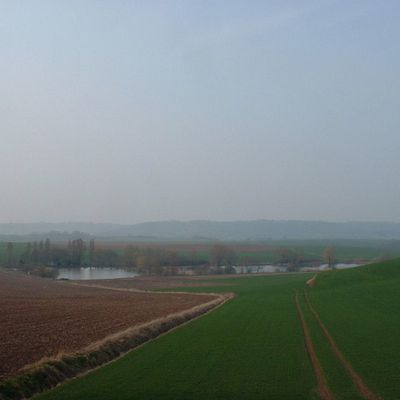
41 318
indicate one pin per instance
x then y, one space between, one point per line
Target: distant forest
44 257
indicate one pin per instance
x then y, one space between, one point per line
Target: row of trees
44 253
146 260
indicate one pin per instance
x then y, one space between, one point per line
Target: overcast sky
129 111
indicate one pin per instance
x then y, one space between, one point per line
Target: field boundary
364 391
134 290
49 373
322 384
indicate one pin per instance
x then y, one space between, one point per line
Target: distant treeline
39 255
43 257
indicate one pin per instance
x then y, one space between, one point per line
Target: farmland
251 348
254 346
360 308
41 318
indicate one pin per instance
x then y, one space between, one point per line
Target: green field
251 348
360 307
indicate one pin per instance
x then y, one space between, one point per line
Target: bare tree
47 251
223 256
130 255
329 256
78 247
10 254
35 253
244 263
142 264
91 251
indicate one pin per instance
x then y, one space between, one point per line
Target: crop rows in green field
338 381
360 307
251 348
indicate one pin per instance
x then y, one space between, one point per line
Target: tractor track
362 388
322 384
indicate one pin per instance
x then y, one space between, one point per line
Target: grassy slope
360 307
338 381
251 348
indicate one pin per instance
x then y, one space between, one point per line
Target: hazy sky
128 111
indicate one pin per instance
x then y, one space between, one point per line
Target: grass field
360 307
251 348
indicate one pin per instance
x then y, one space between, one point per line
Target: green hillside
251 348
360 308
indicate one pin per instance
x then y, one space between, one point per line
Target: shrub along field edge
51 372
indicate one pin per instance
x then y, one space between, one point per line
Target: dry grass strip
322 384
48 373
358 382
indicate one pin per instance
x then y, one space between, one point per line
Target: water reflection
252 269
82 274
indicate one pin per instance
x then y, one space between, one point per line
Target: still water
82 274
324 267
79 274
275 268
259 268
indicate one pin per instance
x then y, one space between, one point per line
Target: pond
324 267
88 273
277 268
82 274
259 268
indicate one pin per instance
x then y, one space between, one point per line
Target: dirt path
322 384
312 282
358 382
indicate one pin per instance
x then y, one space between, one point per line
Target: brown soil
358 382
41 318
322 385
50 372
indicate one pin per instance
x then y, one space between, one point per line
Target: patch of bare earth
41 318
322 385
312 282
358 382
